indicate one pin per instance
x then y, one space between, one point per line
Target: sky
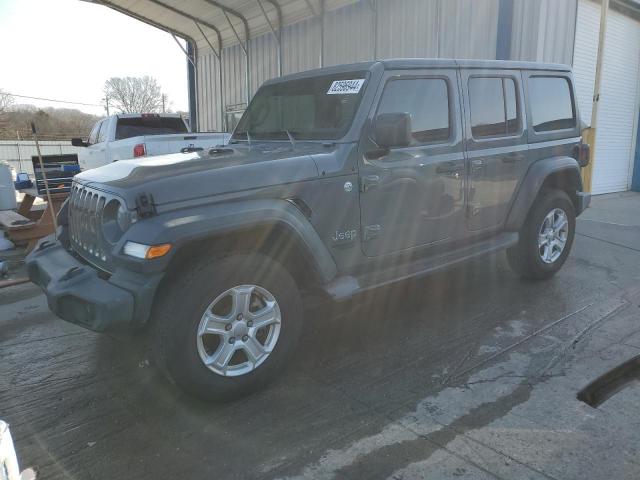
66 49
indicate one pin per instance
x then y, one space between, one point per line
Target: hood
184 176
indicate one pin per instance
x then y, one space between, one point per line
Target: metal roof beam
247 35
227 10
144 19
220 79
185 14
184 50
268 20
216 53
277 34
313 10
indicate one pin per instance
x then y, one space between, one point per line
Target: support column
505 21
193 94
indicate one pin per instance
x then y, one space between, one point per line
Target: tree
134 94
52 123
6 101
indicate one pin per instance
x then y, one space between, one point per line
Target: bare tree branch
134 94
6 101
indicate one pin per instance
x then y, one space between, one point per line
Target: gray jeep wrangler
336 180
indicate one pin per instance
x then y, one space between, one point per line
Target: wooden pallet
11 221
24 226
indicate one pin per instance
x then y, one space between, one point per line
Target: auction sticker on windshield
344 87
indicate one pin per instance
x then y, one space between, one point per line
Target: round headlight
124 218
111 222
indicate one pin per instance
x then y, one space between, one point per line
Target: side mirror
392 130
78 142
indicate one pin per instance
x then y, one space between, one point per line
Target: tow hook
72 272
46 244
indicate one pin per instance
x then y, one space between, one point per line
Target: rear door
413 196
96 154
496 144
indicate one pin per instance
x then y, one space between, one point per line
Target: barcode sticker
345 87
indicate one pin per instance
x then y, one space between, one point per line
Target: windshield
318 108
138 126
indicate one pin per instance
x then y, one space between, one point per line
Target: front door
496 144
413 196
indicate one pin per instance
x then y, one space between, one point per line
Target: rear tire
212 313
546 236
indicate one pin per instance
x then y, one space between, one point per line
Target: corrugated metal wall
542 30
18 153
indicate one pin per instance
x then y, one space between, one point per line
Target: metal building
234 46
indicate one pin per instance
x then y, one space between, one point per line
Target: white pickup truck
125 136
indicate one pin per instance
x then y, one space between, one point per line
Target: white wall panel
585 56
349 34
542 30
468 28
618 110
407 28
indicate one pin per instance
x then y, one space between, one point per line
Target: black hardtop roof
410 63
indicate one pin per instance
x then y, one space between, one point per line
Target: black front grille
85 224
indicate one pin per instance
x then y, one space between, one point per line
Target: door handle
510 159
369 181
450 169
477 165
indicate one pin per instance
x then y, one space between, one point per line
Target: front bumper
78 294
583 200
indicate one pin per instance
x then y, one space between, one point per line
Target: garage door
618 111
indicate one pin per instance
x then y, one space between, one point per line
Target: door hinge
368 181
144 205
473 209
371 232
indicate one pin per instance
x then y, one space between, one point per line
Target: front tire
545 238
225 328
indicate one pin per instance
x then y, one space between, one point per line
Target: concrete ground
471 373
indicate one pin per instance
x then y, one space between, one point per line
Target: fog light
148 252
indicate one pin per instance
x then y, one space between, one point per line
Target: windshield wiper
246 132
291 139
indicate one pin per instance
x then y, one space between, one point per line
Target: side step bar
346 286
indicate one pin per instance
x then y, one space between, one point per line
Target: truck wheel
545 238
227 327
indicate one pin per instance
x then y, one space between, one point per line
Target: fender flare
183 227
532 183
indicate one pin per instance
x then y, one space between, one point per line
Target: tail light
139 150
581 154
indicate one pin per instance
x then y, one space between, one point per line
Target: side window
552 107
494 107
93 136
102 133
426 100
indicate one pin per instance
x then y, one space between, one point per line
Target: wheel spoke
213 324
242 299
254 349
222 356
548 221
560 224
265 316
542 240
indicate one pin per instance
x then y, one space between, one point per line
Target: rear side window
102 133
93 136
552 107
151 125
494 107
426 100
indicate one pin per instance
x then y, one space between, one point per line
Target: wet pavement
471 373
